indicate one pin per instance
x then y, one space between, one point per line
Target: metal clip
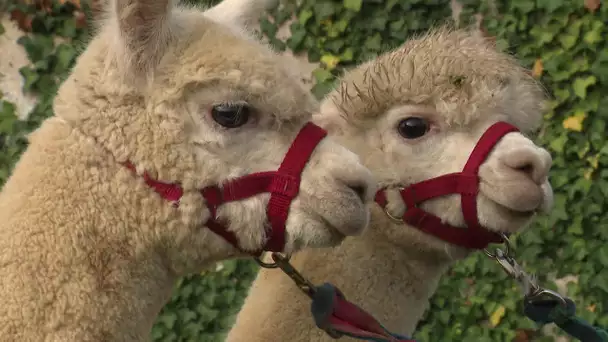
281 261
529 284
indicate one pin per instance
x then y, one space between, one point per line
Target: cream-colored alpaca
88 250
414 114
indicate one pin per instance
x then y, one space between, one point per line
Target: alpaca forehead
207 54
461 76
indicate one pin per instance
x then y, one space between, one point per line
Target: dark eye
231 115
413 127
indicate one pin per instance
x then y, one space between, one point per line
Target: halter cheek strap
465 183
283 186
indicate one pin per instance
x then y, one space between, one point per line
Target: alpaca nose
533 162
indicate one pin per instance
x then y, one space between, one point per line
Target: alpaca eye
231 115
413 127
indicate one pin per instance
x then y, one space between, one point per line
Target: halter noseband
282 184
465 183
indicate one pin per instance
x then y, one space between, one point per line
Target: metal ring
508 246
265 264
277 257
390 216
280 257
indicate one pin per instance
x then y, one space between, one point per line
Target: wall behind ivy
562 41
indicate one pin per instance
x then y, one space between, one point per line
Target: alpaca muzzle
465 183
282 184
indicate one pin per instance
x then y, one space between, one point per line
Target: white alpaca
412 115
90 247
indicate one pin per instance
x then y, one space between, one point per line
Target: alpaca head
418 112
190 100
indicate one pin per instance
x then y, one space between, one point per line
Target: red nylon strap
337 316
465 183
286 183
484 146
170 192
351 319
283 184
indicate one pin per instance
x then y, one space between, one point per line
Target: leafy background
564 44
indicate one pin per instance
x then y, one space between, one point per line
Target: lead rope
338 317
330 309
544 306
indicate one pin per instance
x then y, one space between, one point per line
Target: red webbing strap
170 192
239 188
484 146
173 193
337 316
465 183
433 225
286 182
283 184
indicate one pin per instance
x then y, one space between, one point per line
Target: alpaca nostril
360 190
527 163
526 168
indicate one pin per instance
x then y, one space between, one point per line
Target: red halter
465 183
283 185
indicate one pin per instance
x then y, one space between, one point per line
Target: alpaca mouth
520 199
518 213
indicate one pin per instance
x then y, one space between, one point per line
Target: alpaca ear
242 13
144 30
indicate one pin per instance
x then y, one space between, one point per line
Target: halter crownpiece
282 184
465 183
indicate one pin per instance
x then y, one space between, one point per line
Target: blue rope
564 316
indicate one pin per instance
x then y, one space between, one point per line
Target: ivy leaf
497 316
2 30
594 35
537 70
354 5
330 61
321 75
304 16
575 122
30 78
581 84
549 5
168 318
374 42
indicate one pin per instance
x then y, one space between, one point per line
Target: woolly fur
88 252
458 82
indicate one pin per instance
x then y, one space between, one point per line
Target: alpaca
414 114
154 166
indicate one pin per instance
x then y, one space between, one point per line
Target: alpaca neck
82 262
391 282
104 292
126 309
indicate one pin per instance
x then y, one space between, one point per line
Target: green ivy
204 307
562 41
565 44
344 34
50 63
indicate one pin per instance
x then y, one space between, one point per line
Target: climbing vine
562 42
343 34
